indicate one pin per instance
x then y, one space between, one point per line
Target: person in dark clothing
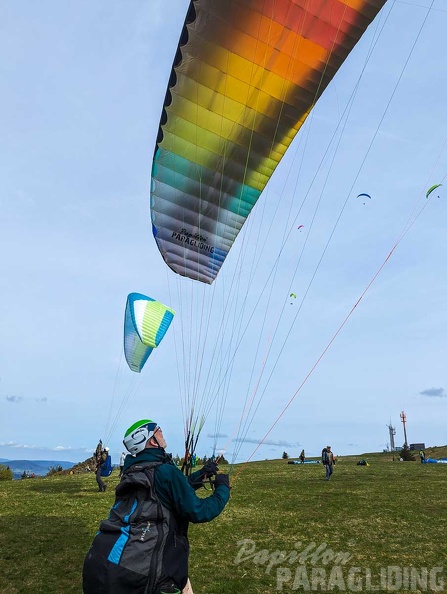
100 461
101 484
143 547
328 460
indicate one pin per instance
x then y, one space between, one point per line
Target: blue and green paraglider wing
146 321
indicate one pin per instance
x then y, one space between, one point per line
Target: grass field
379 528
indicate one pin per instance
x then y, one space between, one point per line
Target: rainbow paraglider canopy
245 77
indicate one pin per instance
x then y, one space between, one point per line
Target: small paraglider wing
292 295
300 227
365 195
432 189
146 321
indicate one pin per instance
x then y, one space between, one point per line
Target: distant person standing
302 456
100 463
328 459
123 457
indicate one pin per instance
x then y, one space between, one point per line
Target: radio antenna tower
392 431
403 418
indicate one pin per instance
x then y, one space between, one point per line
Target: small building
417 446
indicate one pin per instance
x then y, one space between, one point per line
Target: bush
5 473
54 470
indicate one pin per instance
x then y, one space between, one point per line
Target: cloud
14 398
434 393
21 398
13 444
267 442
59 448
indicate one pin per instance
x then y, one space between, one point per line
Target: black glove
222 479
209 469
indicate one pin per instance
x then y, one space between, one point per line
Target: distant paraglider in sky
146 321
292 295
300 227
364 196
432 189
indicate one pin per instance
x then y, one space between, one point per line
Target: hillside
38 467
430 452
384 524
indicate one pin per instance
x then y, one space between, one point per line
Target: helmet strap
156 441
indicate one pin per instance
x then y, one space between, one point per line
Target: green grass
387 514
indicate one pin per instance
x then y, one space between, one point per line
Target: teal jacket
175 491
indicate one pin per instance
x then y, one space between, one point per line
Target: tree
5 473
285 455
406 454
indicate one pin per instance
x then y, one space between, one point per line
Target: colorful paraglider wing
245 77
146 321
432 189
292 295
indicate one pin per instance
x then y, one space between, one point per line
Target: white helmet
136 436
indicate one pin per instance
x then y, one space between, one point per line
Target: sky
81 90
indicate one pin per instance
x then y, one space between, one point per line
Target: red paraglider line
320 357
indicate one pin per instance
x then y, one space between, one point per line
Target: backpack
106 465
324 456
137 546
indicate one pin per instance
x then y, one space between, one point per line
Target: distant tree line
178 460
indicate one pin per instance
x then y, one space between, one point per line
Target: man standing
143 547
328 460
123 457
101 459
